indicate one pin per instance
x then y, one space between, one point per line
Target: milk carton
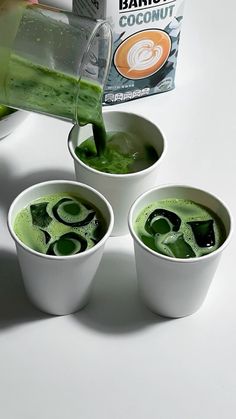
145 44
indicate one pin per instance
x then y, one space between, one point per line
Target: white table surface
115 359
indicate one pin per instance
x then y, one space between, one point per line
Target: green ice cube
203 232
160 225
178 246
172 219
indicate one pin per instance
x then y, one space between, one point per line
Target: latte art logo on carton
142 54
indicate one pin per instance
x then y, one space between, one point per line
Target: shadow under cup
59 285
169 286
121 190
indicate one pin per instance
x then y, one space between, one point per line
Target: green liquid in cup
180 228
124 153
60 224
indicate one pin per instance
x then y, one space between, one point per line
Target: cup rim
54 257
169 258
118 175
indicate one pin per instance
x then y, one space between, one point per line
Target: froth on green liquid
180 228
60 224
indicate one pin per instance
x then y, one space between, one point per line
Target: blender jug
53 62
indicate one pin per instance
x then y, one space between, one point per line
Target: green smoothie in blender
55 63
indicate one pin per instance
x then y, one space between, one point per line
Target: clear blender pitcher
53 62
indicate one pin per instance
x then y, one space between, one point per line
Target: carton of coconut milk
145 44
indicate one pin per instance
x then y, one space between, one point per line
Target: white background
115 359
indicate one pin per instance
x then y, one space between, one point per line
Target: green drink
124 153
59 224
180 228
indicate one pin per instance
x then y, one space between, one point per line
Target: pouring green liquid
58 94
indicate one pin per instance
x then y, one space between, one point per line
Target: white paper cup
120 190
176 287
59 285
